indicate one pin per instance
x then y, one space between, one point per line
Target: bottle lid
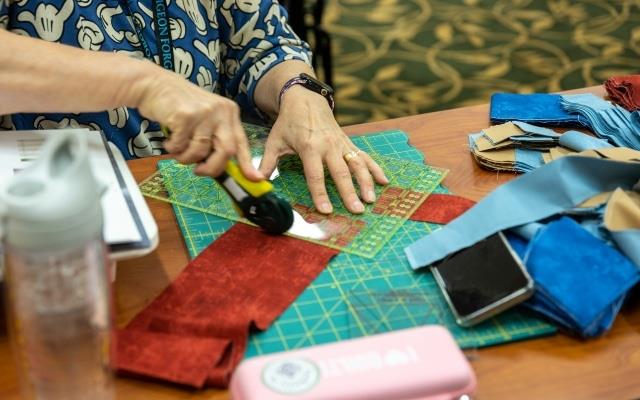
54 204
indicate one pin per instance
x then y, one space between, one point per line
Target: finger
200 146
223 149
342 178
270 158
374 168
243 154
214 165
314 174
180 139
358 167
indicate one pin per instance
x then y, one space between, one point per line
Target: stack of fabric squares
605 119
625 91
513 146
536 108
581 281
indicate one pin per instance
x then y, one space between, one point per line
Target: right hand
205 127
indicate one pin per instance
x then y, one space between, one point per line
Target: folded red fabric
441 208
624 90
195 332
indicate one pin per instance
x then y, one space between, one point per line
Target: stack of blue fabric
581 281
605 119
536 108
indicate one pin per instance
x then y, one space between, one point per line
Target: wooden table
556 367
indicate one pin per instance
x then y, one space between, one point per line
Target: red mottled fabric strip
195 332
441 208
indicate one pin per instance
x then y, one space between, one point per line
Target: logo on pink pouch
291 376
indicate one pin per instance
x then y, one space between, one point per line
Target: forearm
268 89
39 76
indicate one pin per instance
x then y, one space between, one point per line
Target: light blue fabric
578 141
549 190
527 231
536 130
528 160
629 242
607 120
224 46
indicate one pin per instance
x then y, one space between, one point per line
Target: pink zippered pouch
421 363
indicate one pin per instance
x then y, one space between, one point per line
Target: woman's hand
306 126
38 76
205 127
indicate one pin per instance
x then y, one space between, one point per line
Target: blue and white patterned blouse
224 46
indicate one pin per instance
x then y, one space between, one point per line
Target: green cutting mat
350 298
177 184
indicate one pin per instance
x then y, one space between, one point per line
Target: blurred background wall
392 58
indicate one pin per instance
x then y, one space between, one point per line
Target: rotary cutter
255 201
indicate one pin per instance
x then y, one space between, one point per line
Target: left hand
306 126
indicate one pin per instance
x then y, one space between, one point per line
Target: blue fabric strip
578 141
546 191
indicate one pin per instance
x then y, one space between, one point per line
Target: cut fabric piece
547 191
514 146
537 108
622 219
185 360
578 141
442 208
607 120
612 153
579 279
517 134
624 90
245 278
504 158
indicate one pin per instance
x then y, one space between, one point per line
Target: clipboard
129 227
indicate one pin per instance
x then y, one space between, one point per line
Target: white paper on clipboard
129 227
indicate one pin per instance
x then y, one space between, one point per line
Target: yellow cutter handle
255 189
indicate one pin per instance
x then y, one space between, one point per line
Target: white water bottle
57 276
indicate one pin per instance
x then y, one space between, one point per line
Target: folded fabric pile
514 146
580 281
607 120
195 333
625 91
581 271
537 108
520 147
